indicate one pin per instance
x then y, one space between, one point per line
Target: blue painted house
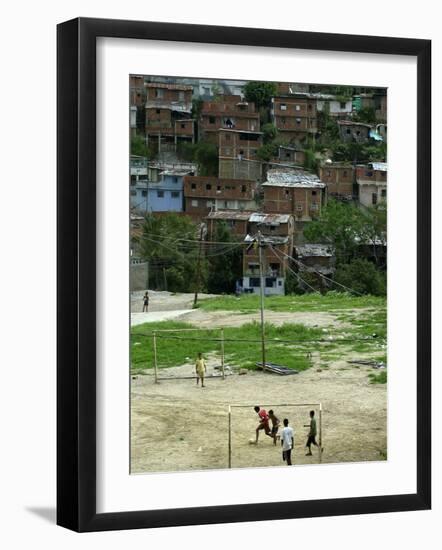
165 195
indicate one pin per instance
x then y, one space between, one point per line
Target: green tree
206 156
310 160
366 114
138 146
374 227
170 244
224 262
270 132
260 93
362 276
340 225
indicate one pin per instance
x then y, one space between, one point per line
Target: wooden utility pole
261 287
198 266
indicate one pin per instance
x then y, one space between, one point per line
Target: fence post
320 432
222 354
155 366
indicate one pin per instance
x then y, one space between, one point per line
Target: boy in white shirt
287 442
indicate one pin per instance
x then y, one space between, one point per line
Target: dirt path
178 426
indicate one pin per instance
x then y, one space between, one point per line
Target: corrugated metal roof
310 250
228 215
267 239
381 166
260 217
181 87
292 178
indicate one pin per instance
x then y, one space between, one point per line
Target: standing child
287 442
145 302
311 434
200 369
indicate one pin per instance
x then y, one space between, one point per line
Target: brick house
228 113
294 115
295 192
238 222
339 179
205 194
168 120
238 154
372 183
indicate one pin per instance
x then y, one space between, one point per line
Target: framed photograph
233 344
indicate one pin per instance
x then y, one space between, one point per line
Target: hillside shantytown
258 263
233 157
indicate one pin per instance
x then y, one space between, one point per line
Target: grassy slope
366 333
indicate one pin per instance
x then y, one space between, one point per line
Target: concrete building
168 120
289 156
277 232
339 179
165 195
294 115
205 194
334 106
354 131
372 183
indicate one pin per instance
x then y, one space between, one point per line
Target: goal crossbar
248 406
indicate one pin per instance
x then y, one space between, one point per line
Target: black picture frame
76 274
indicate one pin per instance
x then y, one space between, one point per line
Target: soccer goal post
277 405
156 334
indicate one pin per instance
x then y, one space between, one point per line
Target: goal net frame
242 406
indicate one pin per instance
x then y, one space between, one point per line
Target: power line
291 270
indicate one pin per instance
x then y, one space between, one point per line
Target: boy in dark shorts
263 422
311 434
275 425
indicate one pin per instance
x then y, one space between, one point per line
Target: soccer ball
251 441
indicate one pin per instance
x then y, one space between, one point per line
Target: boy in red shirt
263 422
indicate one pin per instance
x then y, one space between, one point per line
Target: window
241 151
369 174
297 107
287 155
211 120
175 194
159 93
384 193
270 282
160 194
243 188
348 131
133 179
309 108
175 179
193 186
144 193
298 121
158 111
133 193
183 125
313 193
194 202
345 173
218 188
299 207
342 104
209 204
208 186
374 198
358 133
314 206
255 282
286 192
283 107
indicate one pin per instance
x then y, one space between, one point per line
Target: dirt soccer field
176 425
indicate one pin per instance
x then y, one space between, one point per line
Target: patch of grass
380 378
242 345
306 302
